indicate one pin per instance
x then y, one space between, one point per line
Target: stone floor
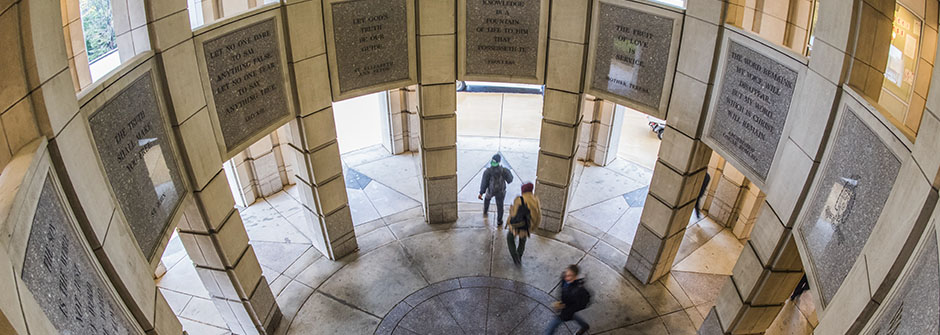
400 255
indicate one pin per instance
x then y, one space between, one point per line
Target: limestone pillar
398 121
765 275
683 157
313 144
562 109
437 107
600 131
211 229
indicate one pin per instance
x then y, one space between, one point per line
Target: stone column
437 107
75 44
398 120
313 136
680 169
562 109
211 229
599 132
763 278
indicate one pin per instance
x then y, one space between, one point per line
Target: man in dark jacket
574 297
495 179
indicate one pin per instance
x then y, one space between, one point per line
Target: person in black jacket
493 185
574 297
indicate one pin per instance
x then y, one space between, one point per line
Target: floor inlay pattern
472 305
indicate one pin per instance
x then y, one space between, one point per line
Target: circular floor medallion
472 305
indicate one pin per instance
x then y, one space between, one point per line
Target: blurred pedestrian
574 298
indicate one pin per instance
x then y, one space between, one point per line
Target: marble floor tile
376 281
319 271
176 300
274 228
632 170
284 203
790 321
374 239
679 323
807 306
194 327
625 227
604 214
364 155
399 172
702 288
183 279
292 298
278 256
388 201
361 207
597 184
717 256
441 255
524 164
324 315
653 326
174 252
204 311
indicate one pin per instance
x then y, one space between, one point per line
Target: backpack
584 297
497 180
522 218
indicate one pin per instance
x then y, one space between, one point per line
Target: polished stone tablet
62 276
503 37
916 306
632 54
247 82
371 41
851 193
753 103
134 146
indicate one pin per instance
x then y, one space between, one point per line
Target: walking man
524 216
495 179
574 298
701 192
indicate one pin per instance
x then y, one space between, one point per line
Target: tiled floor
401 254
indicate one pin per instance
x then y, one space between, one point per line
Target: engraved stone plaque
503 37
133 144
371 42
851 193
247 82
916 306
632 54
63 278
752 107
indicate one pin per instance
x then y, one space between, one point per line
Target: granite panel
850 194
134 147
752 107
64 278
632 54
371 42
246 78
915 306
503 37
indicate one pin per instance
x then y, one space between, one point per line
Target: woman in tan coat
524 217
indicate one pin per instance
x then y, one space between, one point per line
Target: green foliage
99 32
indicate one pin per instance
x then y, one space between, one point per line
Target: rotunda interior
469 167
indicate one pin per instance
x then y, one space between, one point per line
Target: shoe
486 214
582 331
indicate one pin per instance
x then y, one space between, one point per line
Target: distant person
495 179
524 216
698 208
574 298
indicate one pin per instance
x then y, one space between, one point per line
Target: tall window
100 42
784 22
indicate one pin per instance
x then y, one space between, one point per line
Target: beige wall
37 100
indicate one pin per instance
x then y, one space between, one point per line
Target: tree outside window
98 29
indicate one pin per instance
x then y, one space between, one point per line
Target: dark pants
516 253
556 322
500 198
